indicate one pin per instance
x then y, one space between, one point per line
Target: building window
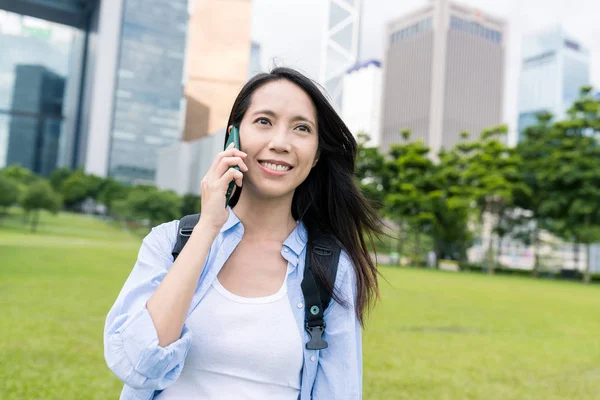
475 29
413 30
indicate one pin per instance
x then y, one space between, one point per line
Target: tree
9 192
111 191
40 196
493 179
18 174
570 176
452 236
79 186
413 190
190 204
534 153
158 206
58 176
371 172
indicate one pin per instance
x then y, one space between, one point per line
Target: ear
316 160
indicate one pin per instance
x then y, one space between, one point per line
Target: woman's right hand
215 183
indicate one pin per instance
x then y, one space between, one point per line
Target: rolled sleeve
131 346
339 373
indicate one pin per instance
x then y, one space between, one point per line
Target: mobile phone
234 137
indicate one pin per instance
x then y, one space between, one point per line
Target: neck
265 219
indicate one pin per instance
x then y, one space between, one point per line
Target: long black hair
328 201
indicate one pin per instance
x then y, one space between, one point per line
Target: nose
280 141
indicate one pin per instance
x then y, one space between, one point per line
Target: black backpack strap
186 226
316 299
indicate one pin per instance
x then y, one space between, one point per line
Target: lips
271 168
275 165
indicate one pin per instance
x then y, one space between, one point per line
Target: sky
290 32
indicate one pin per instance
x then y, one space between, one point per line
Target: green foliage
414 192
21 176
158 206
569 176
490 175
112 191
190 204
18 174
40 196
371 172
9 191
79 186
59 176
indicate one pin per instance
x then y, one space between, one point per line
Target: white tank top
242 348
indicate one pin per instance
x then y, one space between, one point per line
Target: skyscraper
553 70
40 51
341 45
148 103
219 49
34 129
444 74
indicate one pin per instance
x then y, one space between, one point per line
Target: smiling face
279 133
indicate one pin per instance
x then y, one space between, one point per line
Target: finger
228 162
232 175
229 152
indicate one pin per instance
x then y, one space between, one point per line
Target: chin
271 192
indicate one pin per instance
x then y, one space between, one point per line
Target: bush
9 192
190 204
40 196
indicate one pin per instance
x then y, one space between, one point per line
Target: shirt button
313 358
285 250
300 305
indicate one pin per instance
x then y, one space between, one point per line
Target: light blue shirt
131 345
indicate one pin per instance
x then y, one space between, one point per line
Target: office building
181 166
140 74
554 68
35 127
123 93
340 46
219 49
148 110
444 73
361 99
39 50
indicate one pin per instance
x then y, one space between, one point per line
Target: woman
231 306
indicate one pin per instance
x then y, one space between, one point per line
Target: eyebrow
274 115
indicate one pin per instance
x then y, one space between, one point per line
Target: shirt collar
296 241
232 221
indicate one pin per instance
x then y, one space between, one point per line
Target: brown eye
263 121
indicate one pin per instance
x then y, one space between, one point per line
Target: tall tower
553 70
443 74
341 45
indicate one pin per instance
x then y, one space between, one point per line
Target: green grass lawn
433 335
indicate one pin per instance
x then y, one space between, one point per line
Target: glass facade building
149 87
35 127
92 84
36 80
553 70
